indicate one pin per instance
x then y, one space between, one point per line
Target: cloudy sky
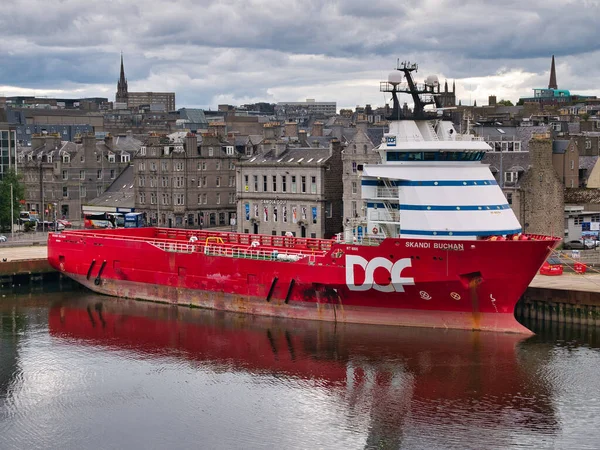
243 51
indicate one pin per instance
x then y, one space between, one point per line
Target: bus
134 220
103 220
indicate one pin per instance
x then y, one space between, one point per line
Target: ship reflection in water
118 373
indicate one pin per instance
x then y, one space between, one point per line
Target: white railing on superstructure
387 192
384 215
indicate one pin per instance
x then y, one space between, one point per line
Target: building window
204 199
511 177
66 159
203 165
588 144
210 151
65 192
353 166
112 174
231 198
165 181
199 199
111 158
313 185
517 145
142 181
509 198
572 164
274 183
231 165
99 174
153 166
218 198
283 183
50 158
303 184
199 165
265 187
354 187
152 198
578 220
165 199
180 199
218 182
178 166
218 165
82 158
65 174
353 210
142 166
293 184
164 166
82 174
152 181
328 210
231 181
230 150
142 198
125 158
143 150
204 182
255 183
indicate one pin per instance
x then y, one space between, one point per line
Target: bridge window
435 156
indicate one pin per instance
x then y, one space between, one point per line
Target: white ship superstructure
431 182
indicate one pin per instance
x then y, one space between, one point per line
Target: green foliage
585 117
10 178
505 103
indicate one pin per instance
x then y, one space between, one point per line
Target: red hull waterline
471 285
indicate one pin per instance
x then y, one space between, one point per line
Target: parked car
65 223
3 238
578 244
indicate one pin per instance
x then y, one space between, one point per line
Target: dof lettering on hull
395 269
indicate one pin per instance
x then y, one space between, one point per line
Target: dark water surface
80 371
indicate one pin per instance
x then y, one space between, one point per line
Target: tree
10 178
505 103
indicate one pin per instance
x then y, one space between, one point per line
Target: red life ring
375 230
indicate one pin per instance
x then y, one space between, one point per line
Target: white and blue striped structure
434 186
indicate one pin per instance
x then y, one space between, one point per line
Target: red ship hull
427 283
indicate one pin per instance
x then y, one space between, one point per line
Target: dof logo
396 284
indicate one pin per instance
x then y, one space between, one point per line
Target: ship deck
217 243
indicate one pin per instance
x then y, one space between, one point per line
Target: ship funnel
395 78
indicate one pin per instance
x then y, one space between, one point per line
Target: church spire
121 96
552 84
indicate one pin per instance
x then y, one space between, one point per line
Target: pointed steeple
446 86
475 103
121 96
552 84
454 86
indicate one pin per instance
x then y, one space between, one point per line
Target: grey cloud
254 48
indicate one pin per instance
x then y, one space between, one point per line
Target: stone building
297 190
542 192
158 101
188 182
65 175
357 153
8 149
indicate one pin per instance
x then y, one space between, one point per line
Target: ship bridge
435 200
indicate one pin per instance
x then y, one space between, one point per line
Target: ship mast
422 94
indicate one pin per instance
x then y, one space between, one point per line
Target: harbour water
81 371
